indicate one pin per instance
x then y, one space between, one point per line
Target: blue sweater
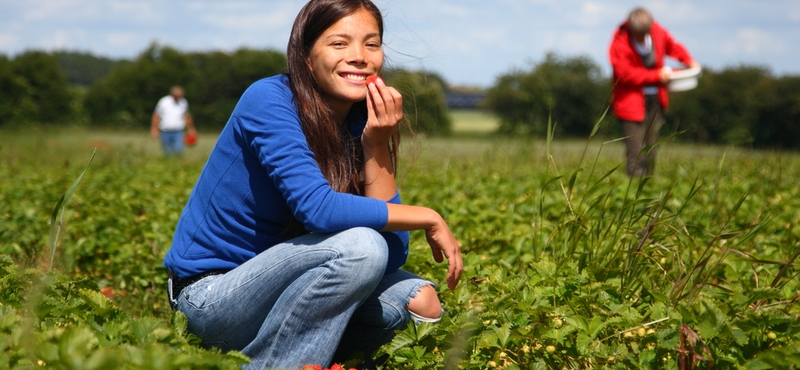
260 173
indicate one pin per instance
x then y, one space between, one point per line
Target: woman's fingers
386 102
385 110
444 245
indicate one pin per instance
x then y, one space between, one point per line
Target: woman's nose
356 55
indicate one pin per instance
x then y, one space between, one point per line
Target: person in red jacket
640 94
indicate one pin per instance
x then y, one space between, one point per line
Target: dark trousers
640 135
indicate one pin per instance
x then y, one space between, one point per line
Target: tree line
743 105
64 88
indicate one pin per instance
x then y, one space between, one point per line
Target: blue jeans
310 300
172 142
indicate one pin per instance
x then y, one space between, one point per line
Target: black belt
179 283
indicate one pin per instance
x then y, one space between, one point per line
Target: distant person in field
169 121
291 244
640 95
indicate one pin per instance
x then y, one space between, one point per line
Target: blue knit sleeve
270 126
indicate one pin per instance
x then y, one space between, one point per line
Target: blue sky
468 42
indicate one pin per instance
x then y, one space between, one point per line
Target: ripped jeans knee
420 319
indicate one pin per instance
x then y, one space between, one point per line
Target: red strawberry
337 366
108 292
190 140
371 80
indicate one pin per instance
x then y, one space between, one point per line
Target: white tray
683 79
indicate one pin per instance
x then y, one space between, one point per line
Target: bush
33 90
423 100
569 91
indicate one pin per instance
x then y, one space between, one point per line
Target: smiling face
343 56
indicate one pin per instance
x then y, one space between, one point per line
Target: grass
473 121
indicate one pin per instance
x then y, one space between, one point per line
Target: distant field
471 121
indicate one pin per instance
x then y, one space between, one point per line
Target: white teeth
355 77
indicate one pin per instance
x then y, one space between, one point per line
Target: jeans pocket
195 295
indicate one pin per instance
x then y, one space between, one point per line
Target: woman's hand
384 111
442 242
440 238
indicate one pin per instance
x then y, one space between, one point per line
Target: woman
290 245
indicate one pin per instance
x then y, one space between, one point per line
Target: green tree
84 69
38 88
778 123
128 95
13 93
213 83
724 108
568 91
221 78
423 100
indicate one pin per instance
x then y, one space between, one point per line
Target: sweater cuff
395 199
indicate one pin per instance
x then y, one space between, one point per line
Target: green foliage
213 83
127 97
220 79
423 100
51 321
85 69
33 90
570 91
740 106
13 89
568 262
724 107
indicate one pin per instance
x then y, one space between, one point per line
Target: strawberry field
569 264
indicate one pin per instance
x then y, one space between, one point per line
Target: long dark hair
339 157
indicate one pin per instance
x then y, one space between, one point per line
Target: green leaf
582 343
57 219
711 321
579 323
103 306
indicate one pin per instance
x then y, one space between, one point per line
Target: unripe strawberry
550 349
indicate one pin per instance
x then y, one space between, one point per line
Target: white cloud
8 40
754 42
121 39
242 16
450 10
46 10
141 12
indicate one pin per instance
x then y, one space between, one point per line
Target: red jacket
630 74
